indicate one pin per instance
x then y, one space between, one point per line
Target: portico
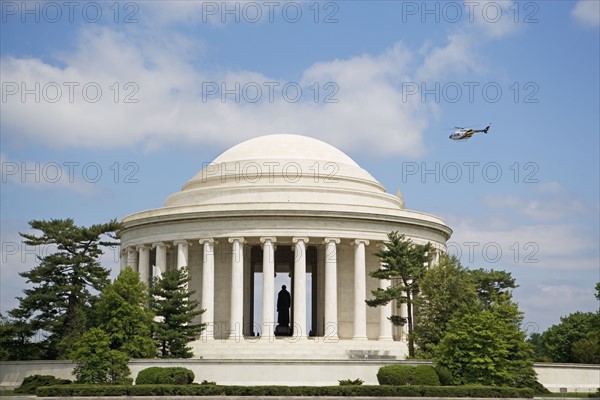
279 209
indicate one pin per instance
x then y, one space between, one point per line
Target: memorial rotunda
281 210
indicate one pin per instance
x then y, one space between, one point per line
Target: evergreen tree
123 313
63 283
447 290
403 263
488 347
96 362
172 303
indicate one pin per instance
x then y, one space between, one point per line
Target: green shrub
408 375
350 382
31 383
165 376
444 374
263 391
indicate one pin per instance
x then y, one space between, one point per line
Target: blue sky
109 107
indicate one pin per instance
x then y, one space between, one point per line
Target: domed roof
283 172
284 146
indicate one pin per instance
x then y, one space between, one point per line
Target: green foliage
535 340
162 376
171 302
351 382
446 290
491 284
60 294
264 391
444 374
407 375
574 340
487 348
97 362
124 314
32 382
403 263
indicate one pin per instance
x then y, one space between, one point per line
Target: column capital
331 240
300 239
143 247
360 241
158 244
181 241
272 239
207 240
239 239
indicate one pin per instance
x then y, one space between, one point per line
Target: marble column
132 258
207 302
161 258
299 293
123 258
144 264
360 290
331 320
236 310
268 284
182 253
385 325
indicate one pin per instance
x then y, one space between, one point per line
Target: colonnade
138 257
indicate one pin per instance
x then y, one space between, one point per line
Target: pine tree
58 304
403 263
123 313
172 304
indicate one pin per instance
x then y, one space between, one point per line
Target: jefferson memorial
281 210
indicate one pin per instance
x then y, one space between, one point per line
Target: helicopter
465 133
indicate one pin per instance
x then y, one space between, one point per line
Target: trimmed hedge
408 375
32 382
165 376
216 390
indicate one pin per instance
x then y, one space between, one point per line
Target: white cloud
171 101
587 12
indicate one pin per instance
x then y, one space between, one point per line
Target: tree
171 302
403 263
59 301
123 313
574 339
96 362
490 284
447 290
488 348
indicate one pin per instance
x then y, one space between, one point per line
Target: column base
359 338
385 339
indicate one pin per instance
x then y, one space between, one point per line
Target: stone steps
264 348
